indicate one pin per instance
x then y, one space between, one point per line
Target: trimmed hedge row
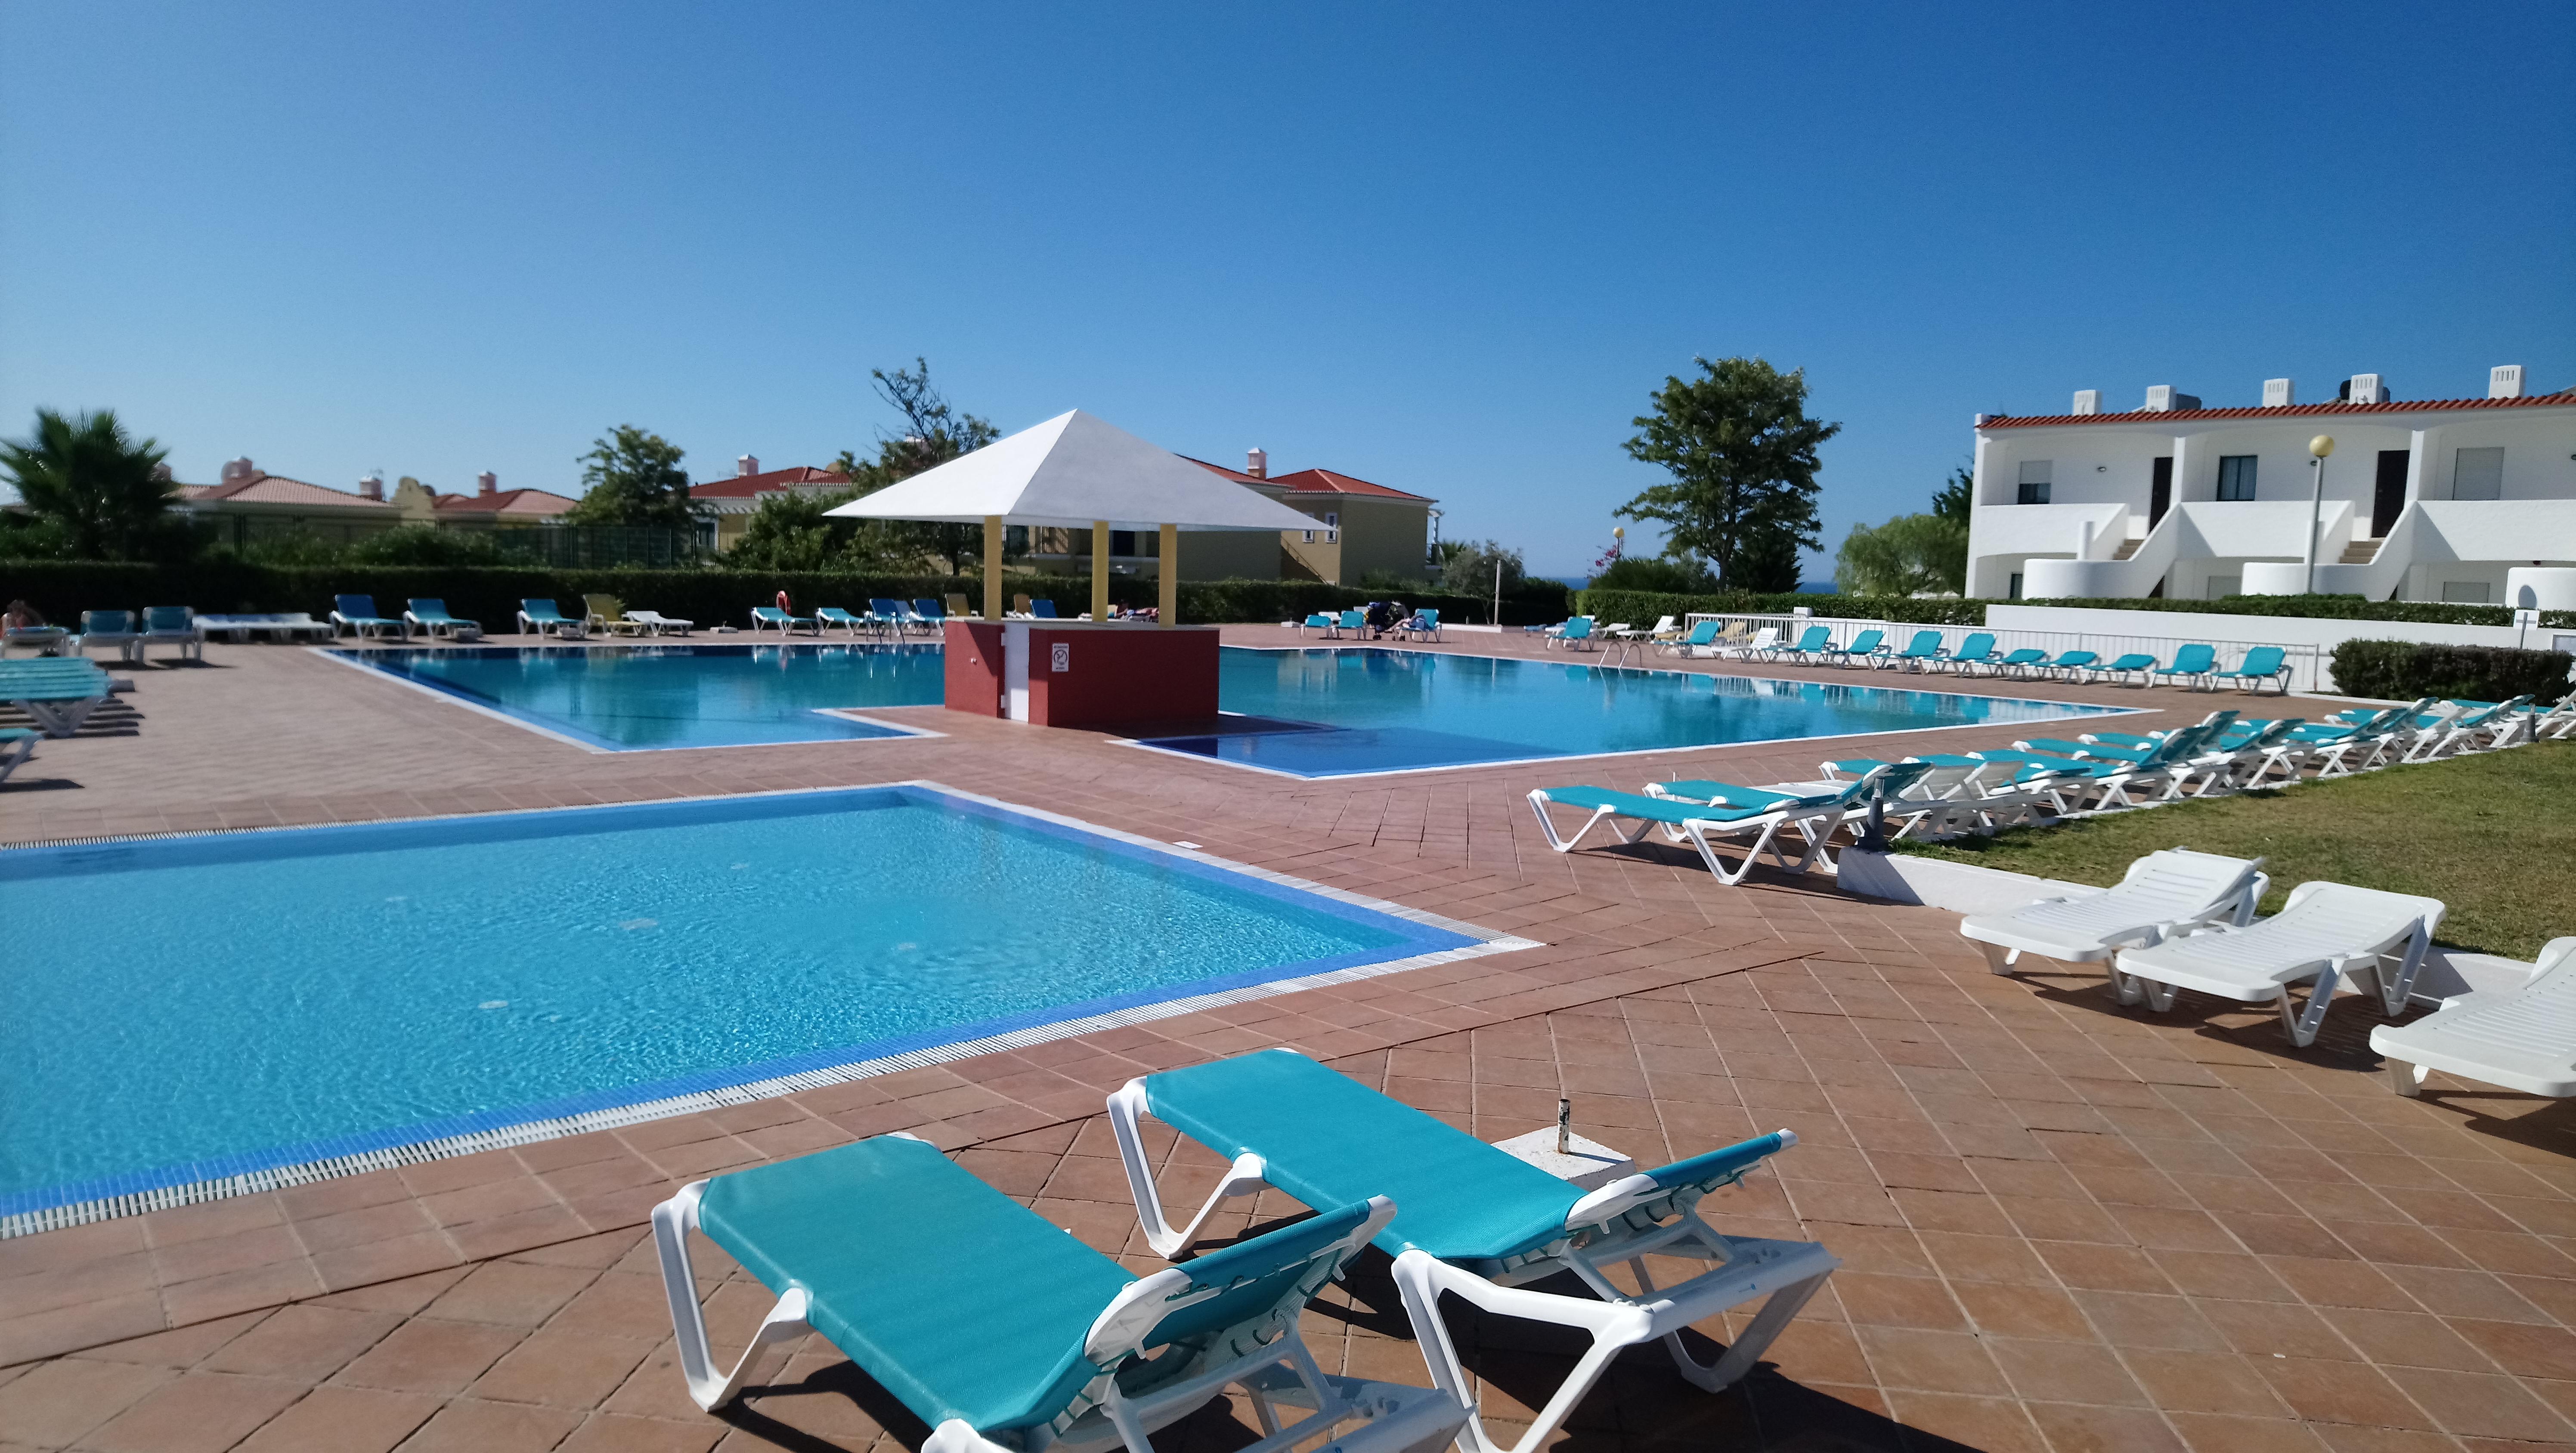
2405 670
1644 607
62 589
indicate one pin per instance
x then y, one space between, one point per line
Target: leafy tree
1470 571
1666 574
424 545
97 493
934 433
1742 453
792 532
1954 498
1909 555
633 477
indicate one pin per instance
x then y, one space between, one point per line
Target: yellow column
1170 612
1100 570
992 567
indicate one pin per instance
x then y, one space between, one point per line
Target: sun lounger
1977 650
357 615
659 624
43 640
109 628
1953 795
2190 664
2522 1038
832 615
1924 649
56 693
2117 775
2136 663
1862 648
2261 664
1910 791
1726 812
958 609
1577 631
1809 647
1765 643
17 744
432 618
1700 637
2161 892
1478 1223
1428 628
2326 930
2019 663
1319 621
2460 732
1002 1332
1667 629
781 622
283 626
171 625
608 613
541 618
2069 666
928 614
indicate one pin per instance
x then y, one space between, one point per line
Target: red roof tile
743 486
505 502
2292 411
1313 481
277 489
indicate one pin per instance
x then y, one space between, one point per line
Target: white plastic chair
2326 931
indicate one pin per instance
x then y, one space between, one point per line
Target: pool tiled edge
1141 1008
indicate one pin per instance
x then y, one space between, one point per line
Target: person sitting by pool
24 622
1382 616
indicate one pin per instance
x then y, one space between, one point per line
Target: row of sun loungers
2193 666
884 616
1422 625
1000 1331
2185 920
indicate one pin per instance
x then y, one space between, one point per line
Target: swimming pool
1346 711
191 1008
639 698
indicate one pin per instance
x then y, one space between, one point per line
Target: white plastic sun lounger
660 624
1479 1223
2326 931
2523 1039
1007 1335
2162 892
17 744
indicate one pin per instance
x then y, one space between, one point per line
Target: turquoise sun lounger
57 693
17 744
1477 1222
1002 1332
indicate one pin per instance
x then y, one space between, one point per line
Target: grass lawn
2493 836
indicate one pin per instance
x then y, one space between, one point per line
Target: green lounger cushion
1329 1140
958 1299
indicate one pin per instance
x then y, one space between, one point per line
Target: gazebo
1076 471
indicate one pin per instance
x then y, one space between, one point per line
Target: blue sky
1450 249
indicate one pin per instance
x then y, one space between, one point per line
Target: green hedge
62 589
2404 670
1643 608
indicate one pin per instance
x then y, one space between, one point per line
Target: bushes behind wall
62 589
2405 670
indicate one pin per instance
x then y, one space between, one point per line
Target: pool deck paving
2064 1225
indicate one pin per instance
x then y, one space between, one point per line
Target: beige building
1359 527
731 503
249 504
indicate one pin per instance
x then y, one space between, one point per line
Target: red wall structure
1116 676
974 667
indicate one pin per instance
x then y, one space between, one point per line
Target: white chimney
2279 393
2365 388
237 470
487 483
372 487
746 465
2087 401
2164 398
1256 462
2504 381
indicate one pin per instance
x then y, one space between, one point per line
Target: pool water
180 1009
1333 712
630 698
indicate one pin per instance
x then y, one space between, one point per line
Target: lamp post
2318 447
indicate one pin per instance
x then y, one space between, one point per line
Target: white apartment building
2434 500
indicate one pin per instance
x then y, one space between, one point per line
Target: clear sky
1449 249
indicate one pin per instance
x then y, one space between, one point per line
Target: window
2465 592
2223 586
2236 476
1310 536
2477 474
1332 526
2012 587
2035 474
1015 539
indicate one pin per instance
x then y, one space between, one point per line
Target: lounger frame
1625 1221
1815 824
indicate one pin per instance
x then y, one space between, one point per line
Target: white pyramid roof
1070 471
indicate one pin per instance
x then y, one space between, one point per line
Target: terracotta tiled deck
2064 1225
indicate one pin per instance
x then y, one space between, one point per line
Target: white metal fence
2307 663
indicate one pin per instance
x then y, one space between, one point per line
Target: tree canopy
96 492
1469 567
1956 496
1666 575
632 476
934 432
1742 453
1909 555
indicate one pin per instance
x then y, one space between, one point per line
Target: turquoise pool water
1334 712
187 1008
1321 712
630 698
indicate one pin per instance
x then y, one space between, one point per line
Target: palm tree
96 484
